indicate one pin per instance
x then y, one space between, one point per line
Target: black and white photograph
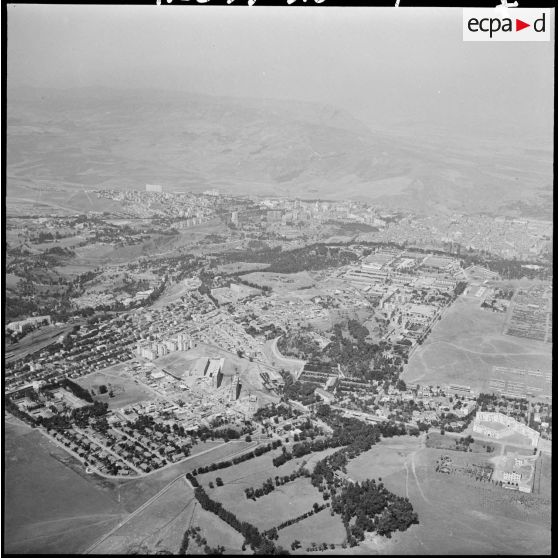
277 279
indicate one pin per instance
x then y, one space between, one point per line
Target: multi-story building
510 425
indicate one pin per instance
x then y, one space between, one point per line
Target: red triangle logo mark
519 25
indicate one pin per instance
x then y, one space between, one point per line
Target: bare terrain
67 141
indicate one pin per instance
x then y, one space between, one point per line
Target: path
411 456
134 514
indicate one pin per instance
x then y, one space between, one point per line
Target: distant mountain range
100 137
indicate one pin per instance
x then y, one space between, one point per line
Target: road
291 361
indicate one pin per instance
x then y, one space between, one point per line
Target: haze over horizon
388 68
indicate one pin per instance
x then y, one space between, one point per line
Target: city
248 314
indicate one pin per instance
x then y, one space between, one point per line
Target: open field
319 528
467 343
285 502
49 508
159 526
126 390
383 459
456 515
216 532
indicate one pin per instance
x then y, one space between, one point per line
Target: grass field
456 516
319 528
465 345
161 526
126 390
285 502
217 533
49 508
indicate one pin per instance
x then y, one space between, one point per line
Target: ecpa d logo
510 24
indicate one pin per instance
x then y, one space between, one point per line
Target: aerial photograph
277 280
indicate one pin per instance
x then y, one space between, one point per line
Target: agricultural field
125 389
456 515
285 502
467 344
49 508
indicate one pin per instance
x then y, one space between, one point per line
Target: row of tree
269 486
256 540
260 450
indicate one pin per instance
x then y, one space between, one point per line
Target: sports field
467 343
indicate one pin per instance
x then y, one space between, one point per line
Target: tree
103 389
219 481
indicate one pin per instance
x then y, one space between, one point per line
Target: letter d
536 24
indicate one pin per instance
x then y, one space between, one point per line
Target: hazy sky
382 64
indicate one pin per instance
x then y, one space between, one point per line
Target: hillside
98 137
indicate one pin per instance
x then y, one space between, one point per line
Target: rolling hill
99 137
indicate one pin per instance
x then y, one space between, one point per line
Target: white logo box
507 24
